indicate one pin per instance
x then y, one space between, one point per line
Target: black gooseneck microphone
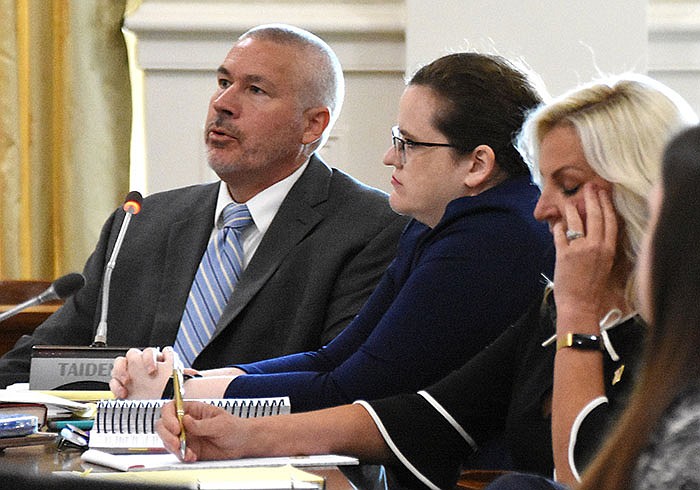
132 206
61 288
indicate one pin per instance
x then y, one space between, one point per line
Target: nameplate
71 367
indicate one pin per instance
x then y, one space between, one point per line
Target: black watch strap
580 341
169 391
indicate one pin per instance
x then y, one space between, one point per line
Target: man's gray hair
324 84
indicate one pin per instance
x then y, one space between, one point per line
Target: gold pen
179 393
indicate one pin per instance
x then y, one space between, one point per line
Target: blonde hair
623 123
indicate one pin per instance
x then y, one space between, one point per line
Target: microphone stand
84 367
101 333
21 307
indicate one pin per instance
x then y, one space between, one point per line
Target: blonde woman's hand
584 265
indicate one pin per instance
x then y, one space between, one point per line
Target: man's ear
483 167
316 121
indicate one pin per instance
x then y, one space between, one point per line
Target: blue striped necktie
218 273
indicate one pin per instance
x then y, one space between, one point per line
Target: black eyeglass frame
400 143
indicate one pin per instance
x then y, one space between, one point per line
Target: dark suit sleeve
414 331
359 278
432 433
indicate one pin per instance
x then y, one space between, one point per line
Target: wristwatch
169 391
580 341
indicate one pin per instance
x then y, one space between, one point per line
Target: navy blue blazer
450 292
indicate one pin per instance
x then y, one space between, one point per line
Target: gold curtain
65 123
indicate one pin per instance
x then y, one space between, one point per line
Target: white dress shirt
263 207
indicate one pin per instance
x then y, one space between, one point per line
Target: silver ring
573 234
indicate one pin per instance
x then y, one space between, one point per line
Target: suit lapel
187 240
294 220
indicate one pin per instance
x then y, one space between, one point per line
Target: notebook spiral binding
139 416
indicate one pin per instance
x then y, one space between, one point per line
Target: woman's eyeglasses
400 144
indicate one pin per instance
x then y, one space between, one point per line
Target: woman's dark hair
486 99
672 352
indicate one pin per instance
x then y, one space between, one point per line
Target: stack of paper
140 462
262 478
57 405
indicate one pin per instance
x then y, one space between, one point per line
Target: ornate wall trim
674 47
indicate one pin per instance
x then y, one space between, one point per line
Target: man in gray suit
319 241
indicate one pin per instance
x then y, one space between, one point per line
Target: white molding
180 44
211 16
674 47
196 36
674 37
676 17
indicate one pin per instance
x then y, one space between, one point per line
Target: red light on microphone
132 204
132 207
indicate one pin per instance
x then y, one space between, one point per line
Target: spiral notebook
128 426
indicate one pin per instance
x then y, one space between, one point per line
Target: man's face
255 123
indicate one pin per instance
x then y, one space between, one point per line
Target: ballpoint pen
179 393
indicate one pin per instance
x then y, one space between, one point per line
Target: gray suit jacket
320 259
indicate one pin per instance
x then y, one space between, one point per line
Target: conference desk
42 460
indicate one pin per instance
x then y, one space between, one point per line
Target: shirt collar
264 205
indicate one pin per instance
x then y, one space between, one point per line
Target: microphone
67 367
61 288
132 206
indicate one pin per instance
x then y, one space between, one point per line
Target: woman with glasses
467 266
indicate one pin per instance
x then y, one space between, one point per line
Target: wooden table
41 460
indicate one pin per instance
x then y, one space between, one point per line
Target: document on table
141 462
256 478
46 398
57 405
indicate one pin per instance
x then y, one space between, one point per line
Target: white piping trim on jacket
441 410
593 404
393 446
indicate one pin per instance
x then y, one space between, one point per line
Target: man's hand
141 374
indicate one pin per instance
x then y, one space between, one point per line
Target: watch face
588 342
